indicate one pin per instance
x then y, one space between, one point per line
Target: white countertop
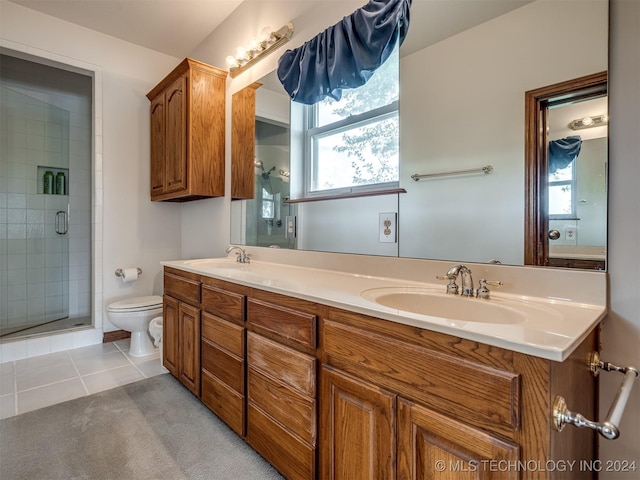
550 328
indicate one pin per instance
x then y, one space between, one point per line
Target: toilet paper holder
119 271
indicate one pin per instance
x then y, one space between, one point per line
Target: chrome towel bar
486 170
609 428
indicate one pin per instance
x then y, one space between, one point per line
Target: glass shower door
34 213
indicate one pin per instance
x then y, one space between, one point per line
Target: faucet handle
452 287
483 291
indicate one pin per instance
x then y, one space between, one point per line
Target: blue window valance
564 151
345 55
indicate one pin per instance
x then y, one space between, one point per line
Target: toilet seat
136 304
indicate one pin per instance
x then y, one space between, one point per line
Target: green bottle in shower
48 182
60 183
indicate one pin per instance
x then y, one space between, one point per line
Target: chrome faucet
241 255
452 276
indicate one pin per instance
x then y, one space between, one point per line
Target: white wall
134 231
449 93
621 329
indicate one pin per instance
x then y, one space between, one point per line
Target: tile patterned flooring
45 380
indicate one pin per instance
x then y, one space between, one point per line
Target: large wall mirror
465 68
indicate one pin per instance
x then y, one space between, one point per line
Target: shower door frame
92 334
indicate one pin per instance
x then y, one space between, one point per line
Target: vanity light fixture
589 122
285 173
256 50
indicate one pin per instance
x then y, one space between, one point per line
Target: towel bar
609 428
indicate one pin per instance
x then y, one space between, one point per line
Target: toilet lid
136 304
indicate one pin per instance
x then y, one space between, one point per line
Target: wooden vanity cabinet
181 328
324 393
406 403
281 382
187 133
223 348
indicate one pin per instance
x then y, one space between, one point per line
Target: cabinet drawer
226 335
297 412
290 455
293 368
182 288
226 367
298 327
224 402
477 393
227 305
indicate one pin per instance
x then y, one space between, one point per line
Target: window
353 144
562 190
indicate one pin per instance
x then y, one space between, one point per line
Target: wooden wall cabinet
243 142
187 133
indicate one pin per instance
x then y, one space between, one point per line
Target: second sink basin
434 303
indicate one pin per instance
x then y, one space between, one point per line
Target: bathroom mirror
462 99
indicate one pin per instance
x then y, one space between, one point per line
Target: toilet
134 315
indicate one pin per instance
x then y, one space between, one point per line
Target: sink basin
214 263
435 303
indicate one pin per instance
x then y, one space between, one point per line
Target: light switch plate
388 227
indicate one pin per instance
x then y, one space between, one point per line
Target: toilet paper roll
129 275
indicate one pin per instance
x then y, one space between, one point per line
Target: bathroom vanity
326 383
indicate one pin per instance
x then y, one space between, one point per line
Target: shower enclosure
266 213
45 198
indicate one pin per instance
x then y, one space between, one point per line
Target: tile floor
45 380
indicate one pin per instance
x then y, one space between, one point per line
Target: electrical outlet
290 226
570 232
388 227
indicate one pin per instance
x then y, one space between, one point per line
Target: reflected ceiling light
589 122
256 50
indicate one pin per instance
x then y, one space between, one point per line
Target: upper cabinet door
176 144
157 145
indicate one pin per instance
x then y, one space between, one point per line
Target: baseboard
115 335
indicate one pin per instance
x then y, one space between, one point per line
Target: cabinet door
243 140
170 335
357 428
175 169
189 348
157 145
431 445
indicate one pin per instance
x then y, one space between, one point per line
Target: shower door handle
62 222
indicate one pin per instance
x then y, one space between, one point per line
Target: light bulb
266 35
231 61
254 46
586 121
241 53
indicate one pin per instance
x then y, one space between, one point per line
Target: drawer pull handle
609 428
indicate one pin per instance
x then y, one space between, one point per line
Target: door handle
62 223
553 234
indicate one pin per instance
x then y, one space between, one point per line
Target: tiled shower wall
45 122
